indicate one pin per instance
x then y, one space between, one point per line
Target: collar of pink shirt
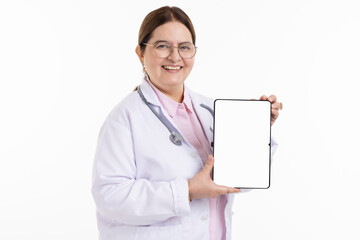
170 105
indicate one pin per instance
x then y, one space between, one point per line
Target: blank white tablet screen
242 143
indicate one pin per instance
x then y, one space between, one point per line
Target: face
167 74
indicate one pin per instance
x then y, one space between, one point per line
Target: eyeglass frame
172 48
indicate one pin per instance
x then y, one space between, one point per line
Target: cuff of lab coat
274 144
181 196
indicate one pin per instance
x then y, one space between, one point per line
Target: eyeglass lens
164 49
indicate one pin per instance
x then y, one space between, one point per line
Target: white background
65 64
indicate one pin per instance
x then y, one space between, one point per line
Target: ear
139 53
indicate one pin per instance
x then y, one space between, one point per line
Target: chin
175 82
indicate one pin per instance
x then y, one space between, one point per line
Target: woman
145 185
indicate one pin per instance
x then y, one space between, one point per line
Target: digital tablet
242 150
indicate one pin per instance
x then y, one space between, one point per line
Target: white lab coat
140 177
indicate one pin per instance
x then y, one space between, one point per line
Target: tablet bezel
269 144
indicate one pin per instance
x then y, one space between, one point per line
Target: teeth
172 68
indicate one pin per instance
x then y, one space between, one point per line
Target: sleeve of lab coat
119 195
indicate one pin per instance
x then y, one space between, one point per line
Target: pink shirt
189 125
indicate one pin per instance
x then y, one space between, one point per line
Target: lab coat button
204 218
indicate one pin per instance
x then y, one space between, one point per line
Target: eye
185 47
163 46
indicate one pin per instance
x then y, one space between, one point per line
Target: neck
176 93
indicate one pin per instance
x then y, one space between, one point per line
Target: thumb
209 165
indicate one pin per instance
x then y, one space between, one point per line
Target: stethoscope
175 137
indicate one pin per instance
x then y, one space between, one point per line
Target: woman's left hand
275 107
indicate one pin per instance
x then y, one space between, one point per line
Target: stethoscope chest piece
175 139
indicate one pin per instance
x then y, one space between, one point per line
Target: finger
226 190
275 106
209 165
233 190
274 113
272 98
274 116
263 97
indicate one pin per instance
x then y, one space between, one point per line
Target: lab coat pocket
173 232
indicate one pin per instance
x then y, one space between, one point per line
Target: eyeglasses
164 49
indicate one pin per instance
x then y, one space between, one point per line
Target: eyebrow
161 41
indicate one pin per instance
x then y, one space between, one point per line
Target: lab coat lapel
205 117
152 98
149 93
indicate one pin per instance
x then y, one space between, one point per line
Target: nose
174 55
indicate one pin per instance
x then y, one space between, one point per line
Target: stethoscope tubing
175 137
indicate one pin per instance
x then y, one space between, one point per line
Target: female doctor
151 177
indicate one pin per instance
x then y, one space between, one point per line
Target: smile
172 67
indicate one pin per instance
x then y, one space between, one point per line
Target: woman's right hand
202 186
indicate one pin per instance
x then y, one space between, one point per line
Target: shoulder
198 98
130 104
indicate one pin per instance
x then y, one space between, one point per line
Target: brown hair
159 17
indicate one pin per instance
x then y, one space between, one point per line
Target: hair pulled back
159 17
